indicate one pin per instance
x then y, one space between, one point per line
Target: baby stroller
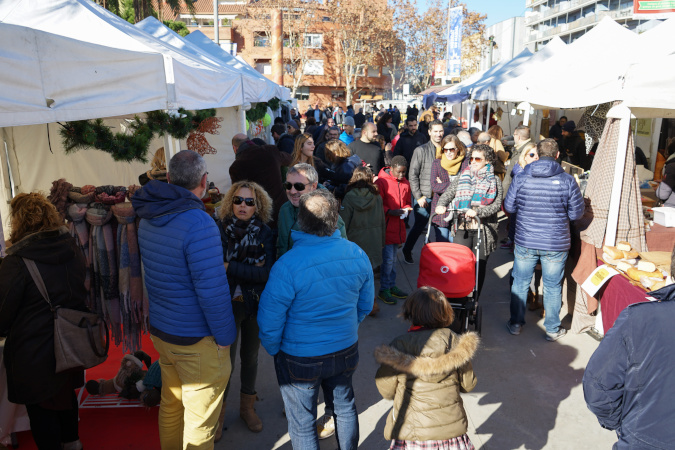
453 270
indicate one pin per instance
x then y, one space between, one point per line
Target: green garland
84 134
260 109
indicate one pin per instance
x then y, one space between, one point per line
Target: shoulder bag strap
37 278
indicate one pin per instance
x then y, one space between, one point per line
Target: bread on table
624 266
646 266
635 274
623 246
613 252
630 255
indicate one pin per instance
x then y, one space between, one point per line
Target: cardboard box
664 216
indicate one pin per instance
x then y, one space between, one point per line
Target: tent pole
487 118
623 113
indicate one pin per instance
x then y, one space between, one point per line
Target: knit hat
569 126
294 124
349 120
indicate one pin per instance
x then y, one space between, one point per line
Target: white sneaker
325 426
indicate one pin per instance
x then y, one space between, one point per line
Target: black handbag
81 339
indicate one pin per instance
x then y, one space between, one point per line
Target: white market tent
191 83
208 46
494 88
51 78
256 88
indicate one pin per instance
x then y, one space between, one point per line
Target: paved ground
529 393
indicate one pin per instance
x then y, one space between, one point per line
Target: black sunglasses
239 200
298 186
532 155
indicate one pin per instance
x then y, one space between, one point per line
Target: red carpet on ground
113 428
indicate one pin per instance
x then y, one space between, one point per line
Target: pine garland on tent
85 134
258 112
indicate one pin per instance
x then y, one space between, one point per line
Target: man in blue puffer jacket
317 295
191 322
545 199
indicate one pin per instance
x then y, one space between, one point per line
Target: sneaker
396 292
514 328
325 427
407 257
552 337
507 245
385 296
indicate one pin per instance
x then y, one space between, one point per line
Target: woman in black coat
248 250
27 322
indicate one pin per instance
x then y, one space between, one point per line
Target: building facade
509 37
571 19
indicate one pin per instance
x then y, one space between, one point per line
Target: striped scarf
474 190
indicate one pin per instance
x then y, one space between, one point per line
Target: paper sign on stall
597 279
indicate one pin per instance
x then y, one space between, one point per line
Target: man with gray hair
465 138
191 322
483 138
316 296
300 179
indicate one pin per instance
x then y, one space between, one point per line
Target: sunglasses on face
476 158
298 186
450 149
532 155
239 200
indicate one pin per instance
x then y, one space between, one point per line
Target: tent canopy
191 83
51 78
209 47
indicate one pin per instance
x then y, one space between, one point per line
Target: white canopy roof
583 73
209 47
493 88
256 87
51 78
191 83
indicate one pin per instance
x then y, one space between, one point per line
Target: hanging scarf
450 165
80 231
104 274
130 281
474 190
243 244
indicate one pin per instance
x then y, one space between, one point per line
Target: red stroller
453 270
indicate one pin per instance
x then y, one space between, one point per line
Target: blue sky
497 10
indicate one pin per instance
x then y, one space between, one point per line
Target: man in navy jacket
546 200
628 381
191 322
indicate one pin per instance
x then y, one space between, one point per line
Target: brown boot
247 412
221 423
375 310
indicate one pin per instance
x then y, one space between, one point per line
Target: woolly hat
294 124
569 126
349 120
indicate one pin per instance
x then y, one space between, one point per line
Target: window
373 71
261 40
313 40
302 93
314 67
288 40
263 66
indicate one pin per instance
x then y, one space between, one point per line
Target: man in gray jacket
420 185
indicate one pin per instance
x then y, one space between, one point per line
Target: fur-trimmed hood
430 367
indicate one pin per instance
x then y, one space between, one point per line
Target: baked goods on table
629 262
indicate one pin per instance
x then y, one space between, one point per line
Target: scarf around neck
450 165
243 242
474 190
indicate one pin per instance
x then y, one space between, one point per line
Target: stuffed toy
131 381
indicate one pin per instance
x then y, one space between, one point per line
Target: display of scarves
130 279
104 275
80 231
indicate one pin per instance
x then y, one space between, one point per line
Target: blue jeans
388 267
419 227
299 380
442 234
553 270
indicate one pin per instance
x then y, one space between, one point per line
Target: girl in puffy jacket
424 371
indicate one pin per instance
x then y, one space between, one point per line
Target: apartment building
570 19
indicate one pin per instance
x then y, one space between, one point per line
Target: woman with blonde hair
444 170
26 319
248 251
303 152
158 168
496 135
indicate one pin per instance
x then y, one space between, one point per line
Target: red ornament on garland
197 141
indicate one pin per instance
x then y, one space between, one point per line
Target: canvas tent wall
50 78
190 83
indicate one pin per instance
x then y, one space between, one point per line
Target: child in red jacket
395 192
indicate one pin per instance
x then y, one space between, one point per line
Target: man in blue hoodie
545 199
191 322
317 295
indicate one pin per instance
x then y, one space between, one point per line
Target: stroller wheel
478 320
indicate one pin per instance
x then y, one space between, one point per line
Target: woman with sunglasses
479 192
444 170
248 251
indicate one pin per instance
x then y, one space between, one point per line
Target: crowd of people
323 210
